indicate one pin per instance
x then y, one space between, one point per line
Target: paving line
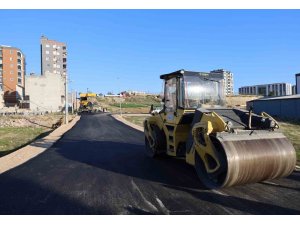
148 203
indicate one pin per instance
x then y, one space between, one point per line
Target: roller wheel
158 145
216 179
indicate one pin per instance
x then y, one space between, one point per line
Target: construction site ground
17 131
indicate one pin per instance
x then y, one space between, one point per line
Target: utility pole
76 100
66 99
72 101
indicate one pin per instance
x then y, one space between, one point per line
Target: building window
10 51
64 47
11 58
54 46
11 72
47 46
19 81
19 74
11 79
58 47
11 65
47 52
47 58
57 66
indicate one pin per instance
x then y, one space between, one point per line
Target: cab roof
180 73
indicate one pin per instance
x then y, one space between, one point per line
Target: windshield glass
202 91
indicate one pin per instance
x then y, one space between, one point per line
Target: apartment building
53 57
12 74
276 89
227 76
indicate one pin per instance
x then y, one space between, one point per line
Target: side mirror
151 108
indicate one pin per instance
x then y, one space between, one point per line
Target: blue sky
112 50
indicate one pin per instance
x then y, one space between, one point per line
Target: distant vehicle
87 102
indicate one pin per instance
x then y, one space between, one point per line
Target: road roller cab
227 146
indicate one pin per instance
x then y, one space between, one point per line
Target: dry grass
138 120
18 131
134 104
13 138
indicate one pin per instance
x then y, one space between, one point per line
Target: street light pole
66 99
72 101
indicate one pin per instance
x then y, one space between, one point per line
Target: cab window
170 95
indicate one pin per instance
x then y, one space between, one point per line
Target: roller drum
256 156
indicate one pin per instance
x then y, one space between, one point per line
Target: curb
35 148
121 119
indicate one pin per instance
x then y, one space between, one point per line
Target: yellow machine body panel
86 101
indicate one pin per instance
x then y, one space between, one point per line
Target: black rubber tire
160 143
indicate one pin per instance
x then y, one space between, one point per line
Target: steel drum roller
256 156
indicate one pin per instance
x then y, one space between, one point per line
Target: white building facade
276 89
45 92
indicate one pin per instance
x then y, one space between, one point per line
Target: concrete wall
279 108
46 93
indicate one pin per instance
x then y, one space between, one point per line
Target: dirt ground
30 120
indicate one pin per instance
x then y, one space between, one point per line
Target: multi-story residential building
53 57
12 74
297 83
227 76
277 89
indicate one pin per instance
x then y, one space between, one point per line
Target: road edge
35 148
121 119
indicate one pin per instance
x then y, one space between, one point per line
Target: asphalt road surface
99 167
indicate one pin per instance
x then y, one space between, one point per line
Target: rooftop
278 98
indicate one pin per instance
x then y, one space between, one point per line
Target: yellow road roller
86 102
226 146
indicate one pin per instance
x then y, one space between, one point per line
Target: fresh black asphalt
99 167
